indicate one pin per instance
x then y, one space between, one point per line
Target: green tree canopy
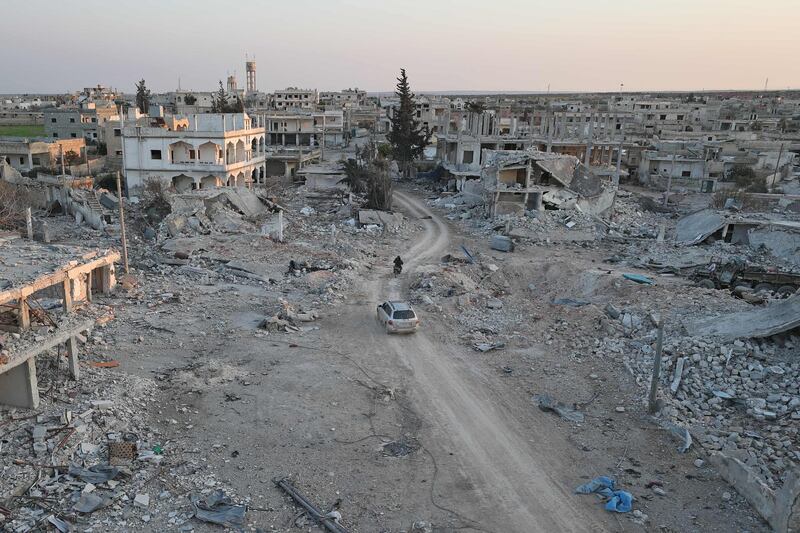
142 97
407 137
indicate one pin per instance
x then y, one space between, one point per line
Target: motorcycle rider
398 264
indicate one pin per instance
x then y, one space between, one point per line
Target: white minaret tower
250 69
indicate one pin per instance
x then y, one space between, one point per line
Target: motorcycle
398 269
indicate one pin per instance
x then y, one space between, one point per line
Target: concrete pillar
30 158
72 356
18 386
24 317
106 278
588 158
536 201
67 288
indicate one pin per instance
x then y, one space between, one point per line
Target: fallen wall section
780 508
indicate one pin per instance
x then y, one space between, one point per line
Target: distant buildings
306 129
27 154
294 98
351 97
75 122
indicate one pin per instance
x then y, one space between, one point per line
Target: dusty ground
320 405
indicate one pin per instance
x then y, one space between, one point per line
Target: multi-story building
294 98
344 97
26 154
86 121
306 129
198 151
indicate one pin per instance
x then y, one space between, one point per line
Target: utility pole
122 225
651 403
322 144
61 156
777 166
669 179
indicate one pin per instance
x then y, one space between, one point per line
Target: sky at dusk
502 45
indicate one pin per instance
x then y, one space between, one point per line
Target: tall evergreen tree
407 137
219 102
142 97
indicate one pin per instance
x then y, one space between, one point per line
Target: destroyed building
46 300
515 181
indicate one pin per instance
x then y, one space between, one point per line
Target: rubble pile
89 459
741 397
630 219
290 319
205 211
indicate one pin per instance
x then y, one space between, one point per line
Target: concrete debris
778 317
570 302
777 507
288 319
547 403
488 346
379 218
697 227
501 243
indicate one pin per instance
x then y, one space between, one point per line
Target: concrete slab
19 387
757 322
698 226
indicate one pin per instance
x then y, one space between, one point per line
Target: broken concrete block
501 243
142 500
39 433
102 405
612 311
494 303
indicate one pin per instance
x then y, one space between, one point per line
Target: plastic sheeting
218 508
617 501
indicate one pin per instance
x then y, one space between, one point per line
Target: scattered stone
142 500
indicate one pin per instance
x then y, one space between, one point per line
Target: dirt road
517 472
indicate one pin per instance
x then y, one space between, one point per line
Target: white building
293 97
351 97
306 129
198 151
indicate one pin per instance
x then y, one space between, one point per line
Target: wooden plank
60 336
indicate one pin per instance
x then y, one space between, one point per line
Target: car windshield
404 315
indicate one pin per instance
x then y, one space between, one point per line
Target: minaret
250 69
232 84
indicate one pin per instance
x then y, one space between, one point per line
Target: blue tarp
617 501
638 278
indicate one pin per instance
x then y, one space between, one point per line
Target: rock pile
742 398
89 459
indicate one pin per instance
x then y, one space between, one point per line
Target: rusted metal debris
325 520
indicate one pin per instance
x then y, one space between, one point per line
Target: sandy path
517 471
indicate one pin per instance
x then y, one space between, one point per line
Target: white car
398 317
